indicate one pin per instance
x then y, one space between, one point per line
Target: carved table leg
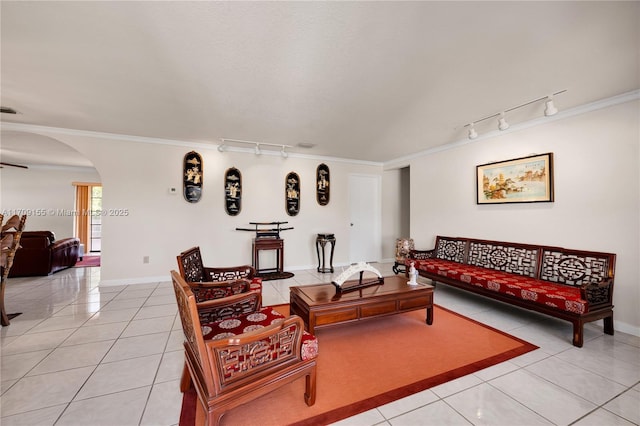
430 315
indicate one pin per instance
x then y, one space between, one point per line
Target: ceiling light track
550 109
7 110
257 146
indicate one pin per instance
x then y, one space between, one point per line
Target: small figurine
413 275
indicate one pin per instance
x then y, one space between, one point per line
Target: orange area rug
370 363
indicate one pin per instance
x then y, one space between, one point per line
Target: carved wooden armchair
10 234
233 361
235 288
403 248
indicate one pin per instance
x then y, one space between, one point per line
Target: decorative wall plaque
192 177
322 184
233 191
292 193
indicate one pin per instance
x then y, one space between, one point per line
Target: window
89 215
96 219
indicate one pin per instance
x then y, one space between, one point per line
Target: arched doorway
46 187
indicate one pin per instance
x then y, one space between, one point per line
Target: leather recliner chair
41 254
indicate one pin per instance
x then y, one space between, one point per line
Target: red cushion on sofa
557 296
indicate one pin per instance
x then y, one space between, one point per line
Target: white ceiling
362 80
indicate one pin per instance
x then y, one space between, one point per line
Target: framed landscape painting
521 180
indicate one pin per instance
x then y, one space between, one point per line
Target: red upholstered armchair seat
557 296
245 323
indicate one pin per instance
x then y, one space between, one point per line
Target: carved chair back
193 270
5 245
403 248
191 266
14 227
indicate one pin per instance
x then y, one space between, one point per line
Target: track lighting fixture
502 122
472 132
258 148
550 109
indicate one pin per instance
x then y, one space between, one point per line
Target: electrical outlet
145 259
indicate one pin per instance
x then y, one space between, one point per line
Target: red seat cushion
562 297
256 284
245 323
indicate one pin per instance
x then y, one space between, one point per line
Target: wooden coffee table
320 306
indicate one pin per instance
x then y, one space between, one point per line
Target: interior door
365 218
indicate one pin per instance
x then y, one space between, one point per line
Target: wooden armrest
421 254
220 284
252 336
248 297
261 333
217 290
604 283
597 293
600 284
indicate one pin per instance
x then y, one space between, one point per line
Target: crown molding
47 131
387 165
579 110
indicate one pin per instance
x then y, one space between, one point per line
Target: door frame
376 206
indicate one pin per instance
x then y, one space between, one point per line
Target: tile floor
86 355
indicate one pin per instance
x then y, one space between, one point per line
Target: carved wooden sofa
573 285
235 360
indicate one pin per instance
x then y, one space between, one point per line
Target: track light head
472 132
502 123
550 109
222 147
284 153
257 150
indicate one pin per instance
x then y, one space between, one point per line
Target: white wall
597 194
136 176
45 194
395 210
392 212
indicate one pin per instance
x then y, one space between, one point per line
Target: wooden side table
268 244
321 242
